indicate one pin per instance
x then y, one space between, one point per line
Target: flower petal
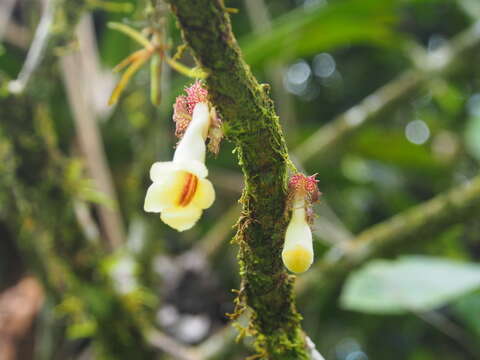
204 195
297 254
181 218
154 200
297 258
161 169
192 166
165 193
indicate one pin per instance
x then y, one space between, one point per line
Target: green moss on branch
253 125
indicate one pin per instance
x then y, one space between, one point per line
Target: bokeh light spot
417 132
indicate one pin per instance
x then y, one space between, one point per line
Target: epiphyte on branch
180 189
297 254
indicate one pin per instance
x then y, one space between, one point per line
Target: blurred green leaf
467 309
307 31
411 283
472 136
81 330
392 147
448 97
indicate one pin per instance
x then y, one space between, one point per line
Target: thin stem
194 73
91 146
132 34
37 49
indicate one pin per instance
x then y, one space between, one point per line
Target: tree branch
253 126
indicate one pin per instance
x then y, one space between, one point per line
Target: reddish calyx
184 105
183 111
301 184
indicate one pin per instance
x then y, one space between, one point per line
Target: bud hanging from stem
297 254
182 115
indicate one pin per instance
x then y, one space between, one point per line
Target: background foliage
321 59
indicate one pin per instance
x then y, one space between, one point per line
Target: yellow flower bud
297 254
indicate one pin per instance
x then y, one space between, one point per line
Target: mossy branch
251 123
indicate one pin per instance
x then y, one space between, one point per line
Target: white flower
297 254
180 190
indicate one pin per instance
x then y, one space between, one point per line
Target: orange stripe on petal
189 189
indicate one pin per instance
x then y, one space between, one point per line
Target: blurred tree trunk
19 304
38 188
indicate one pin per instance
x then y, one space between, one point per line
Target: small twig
37 49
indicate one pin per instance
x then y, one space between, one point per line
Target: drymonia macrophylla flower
297 254
180 190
